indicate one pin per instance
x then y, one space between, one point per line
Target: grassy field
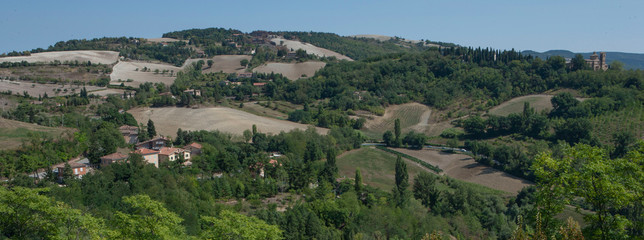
410 115
377 167
515 105
13 133
292 71
168 119
629 119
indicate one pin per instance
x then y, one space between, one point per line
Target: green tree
388 138
578 63
247 135
622 140
402 183
475 126
397 132
152 132
330 168
425 190
68 173
358 181
562 103
147 219
243 62
210 62
235 226
29 214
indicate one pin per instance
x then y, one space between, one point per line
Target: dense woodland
222 196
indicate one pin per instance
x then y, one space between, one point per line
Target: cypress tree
402 182
358 181
152 132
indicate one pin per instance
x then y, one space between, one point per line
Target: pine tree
152 132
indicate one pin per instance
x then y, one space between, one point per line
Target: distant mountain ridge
630 60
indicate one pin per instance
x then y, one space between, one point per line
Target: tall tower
602 61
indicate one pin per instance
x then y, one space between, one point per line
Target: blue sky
580 26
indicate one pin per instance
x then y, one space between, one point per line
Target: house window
81 170
75 171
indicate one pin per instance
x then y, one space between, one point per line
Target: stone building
597 62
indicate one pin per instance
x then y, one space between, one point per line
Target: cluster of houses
154 151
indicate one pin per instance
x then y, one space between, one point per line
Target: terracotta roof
145 151
194 145
115 156
127 127
169 150
259 84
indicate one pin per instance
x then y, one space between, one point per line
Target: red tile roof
169 150
145 151
194 145
115 156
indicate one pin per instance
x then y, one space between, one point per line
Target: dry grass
36 89
13 133
464 168
168 120
539 102
222 63
309 48
376 166
413 117
125 70
103 57
162 40
292 71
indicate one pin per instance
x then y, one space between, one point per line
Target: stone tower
602 61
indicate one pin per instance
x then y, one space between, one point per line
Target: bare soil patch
309 48
125 70
103 57
35 89
292 71
168 120
464 168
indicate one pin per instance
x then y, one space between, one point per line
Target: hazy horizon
577 26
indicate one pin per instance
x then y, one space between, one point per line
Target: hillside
630 60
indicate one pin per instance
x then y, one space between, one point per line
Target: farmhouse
193 92
149 156
79 169
259 84
194 148
154 144
172 154
130 133
112 158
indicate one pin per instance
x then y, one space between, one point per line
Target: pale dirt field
292 71
223 63
18 87
103 57
464 168
167 120
108 91
309 48
127 70
413 117
161 40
